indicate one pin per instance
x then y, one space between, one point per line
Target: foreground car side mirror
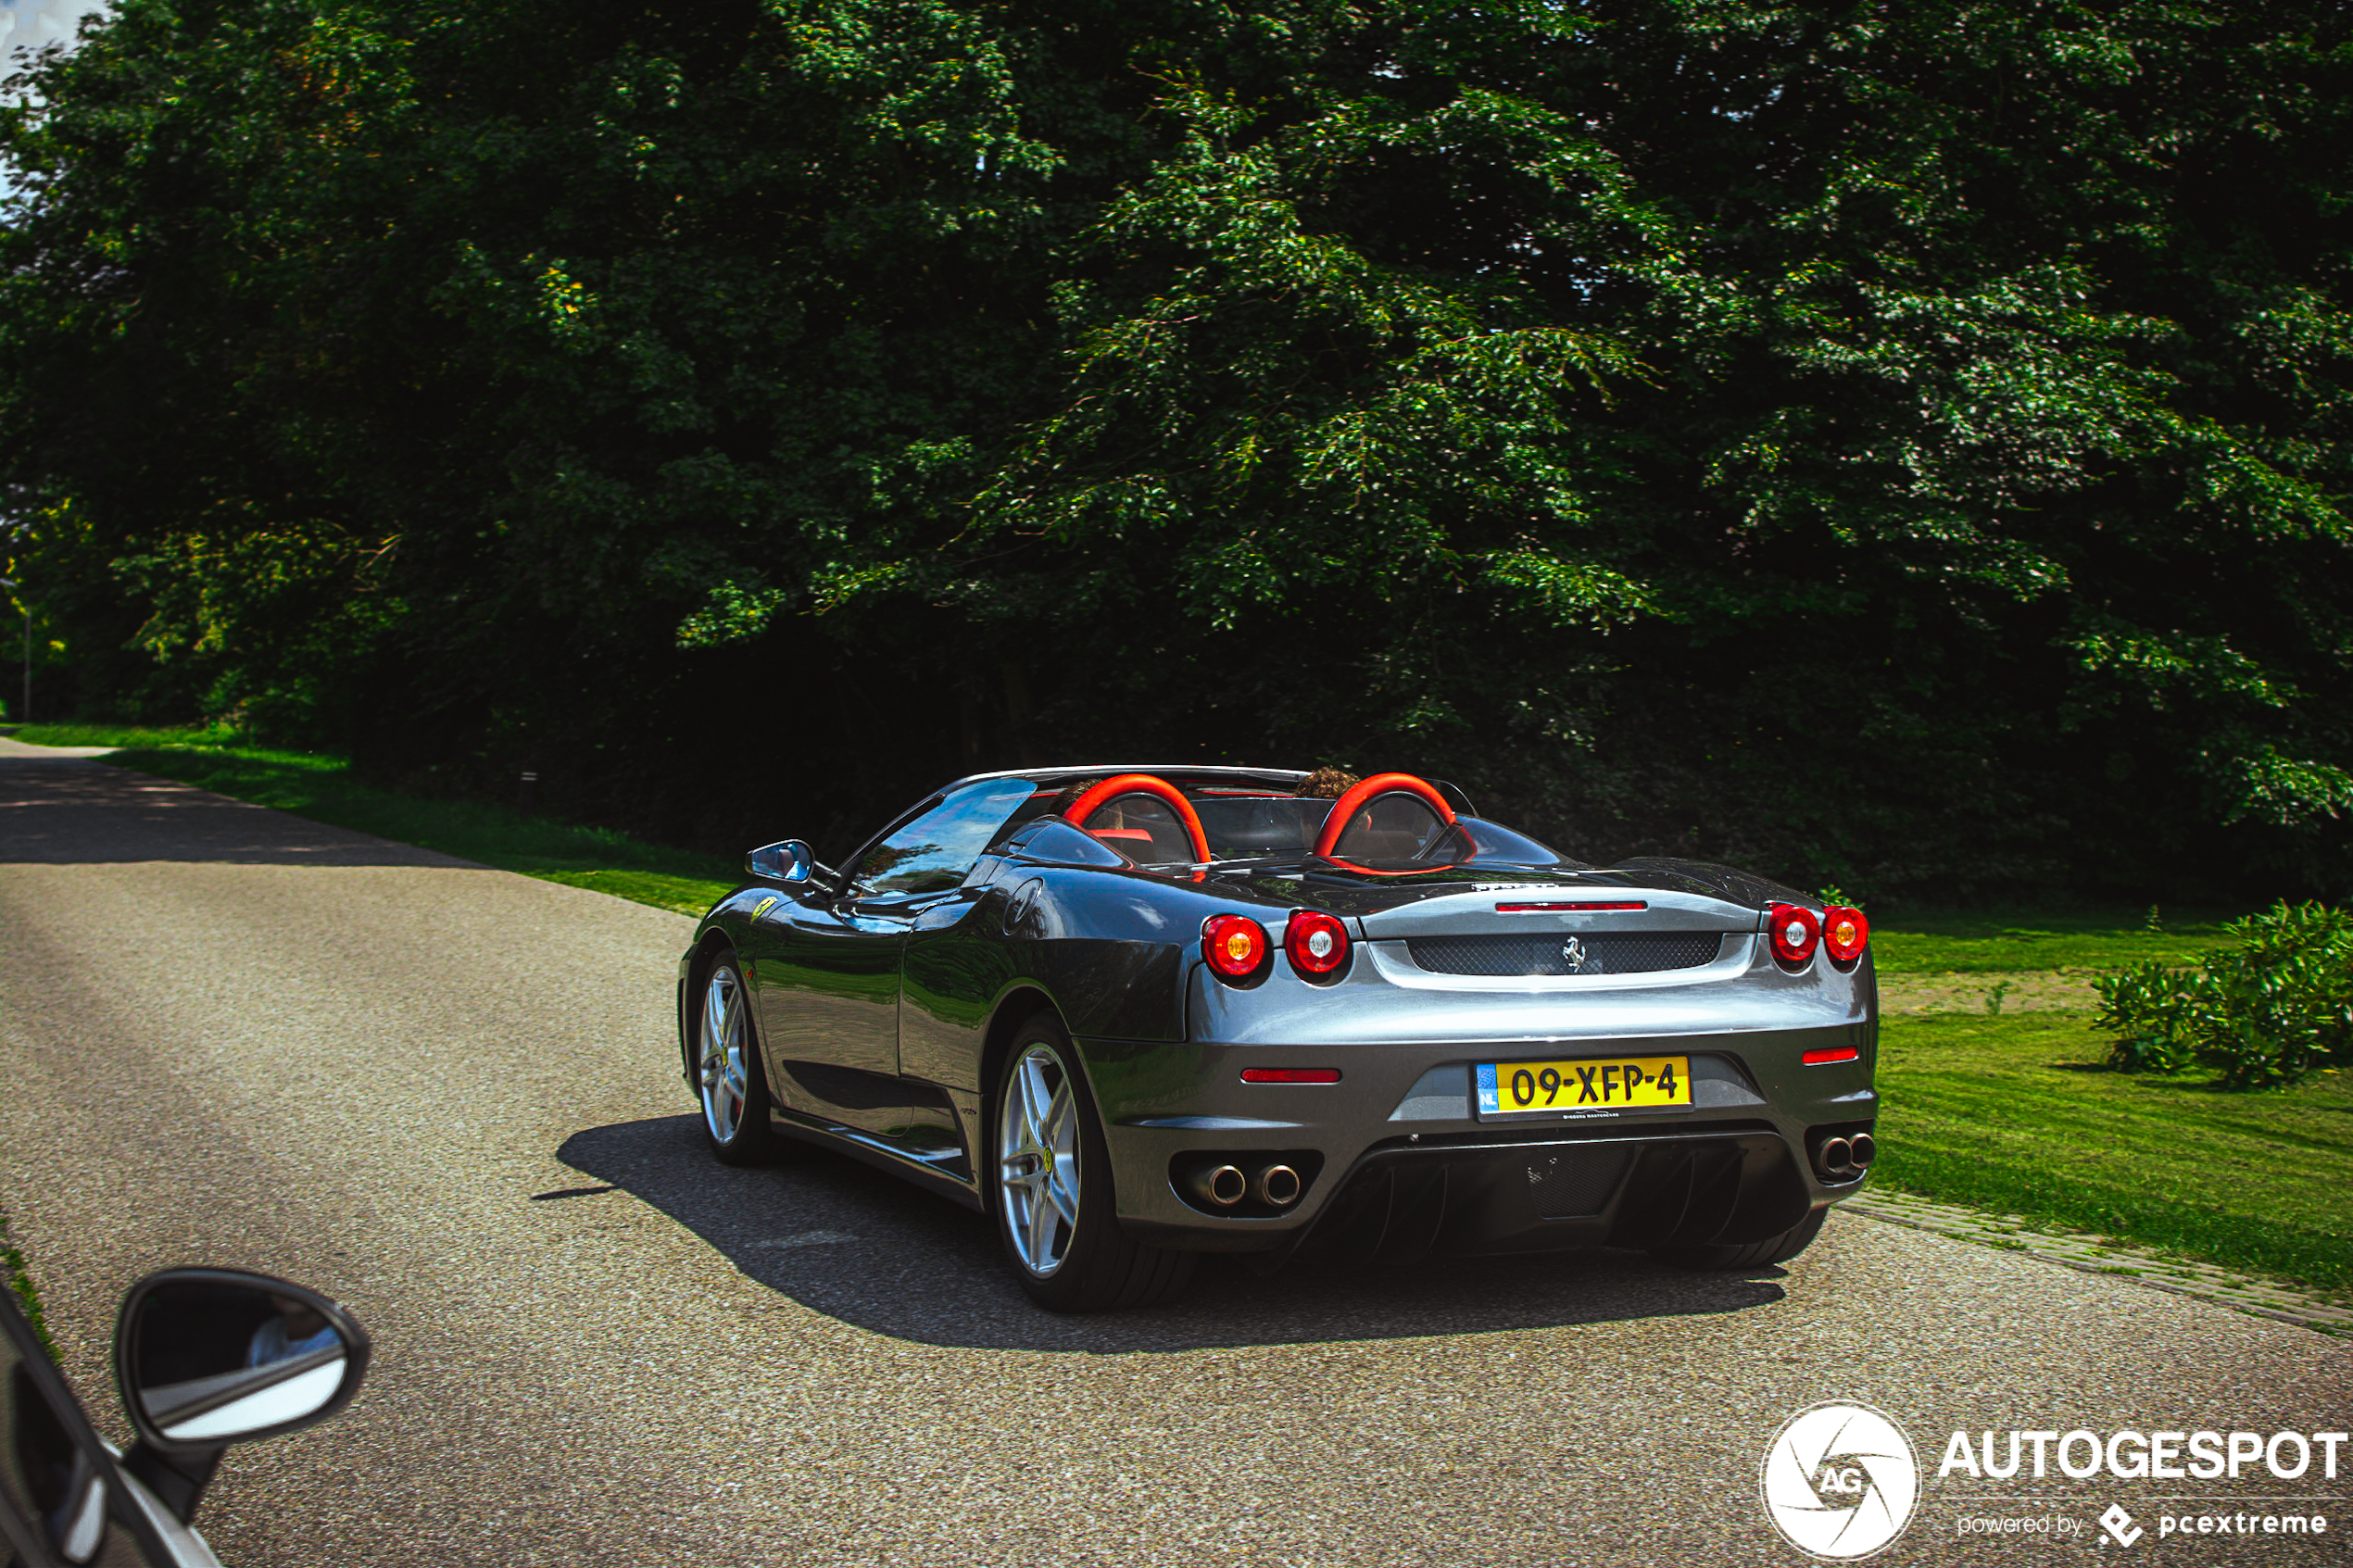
210 1357
790 861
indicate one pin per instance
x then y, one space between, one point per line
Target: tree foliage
1904 445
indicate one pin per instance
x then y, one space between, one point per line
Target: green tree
1898 445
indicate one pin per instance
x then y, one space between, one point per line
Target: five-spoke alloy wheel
1037 1159
1051 1188
733 1088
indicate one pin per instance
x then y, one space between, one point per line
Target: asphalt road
447 1096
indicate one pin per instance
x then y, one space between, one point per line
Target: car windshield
1257 828
1257 822
1241 822
932 850
1396 830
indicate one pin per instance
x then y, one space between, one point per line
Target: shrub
2268 1012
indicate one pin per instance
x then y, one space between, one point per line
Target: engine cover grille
1599 952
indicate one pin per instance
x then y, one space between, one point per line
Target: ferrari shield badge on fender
765 905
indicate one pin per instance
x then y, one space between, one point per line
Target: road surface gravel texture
450 1098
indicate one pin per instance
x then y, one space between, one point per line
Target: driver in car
296 1331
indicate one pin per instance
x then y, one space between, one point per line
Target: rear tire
1751 1255
1048 1179
730 1083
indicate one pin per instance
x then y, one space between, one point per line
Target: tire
732 1086
1050 1187
1751 1255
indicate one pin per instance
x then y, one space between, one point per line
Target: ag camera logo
1840 1481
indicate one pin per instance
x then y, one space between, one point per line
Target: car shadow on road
864 1246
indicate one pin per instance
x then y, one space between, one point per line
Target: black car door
826 962
61 1499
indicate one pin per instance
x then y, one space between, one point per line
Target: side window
936 850
19 1532
55 1496
1493 841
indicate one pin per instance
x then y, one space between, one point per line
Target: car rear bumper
1396 1162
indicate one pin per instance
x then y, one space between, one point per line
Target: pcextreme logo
1840 1481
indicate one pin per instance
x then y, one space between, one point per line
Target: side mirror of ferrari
210 1357
790 861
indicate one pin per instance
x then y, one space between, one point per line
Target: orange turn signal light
1236 945
1844 932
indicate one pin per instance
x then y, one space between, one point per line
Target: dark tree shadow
859 1245
69 812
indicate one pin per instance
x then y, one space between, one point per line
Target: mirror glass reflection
789 861
216 1361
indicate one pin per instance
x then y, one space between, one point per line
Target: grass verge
321 788
20 1283
2013 1114
2015 941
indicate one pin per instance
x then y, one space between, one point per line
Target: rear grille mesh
1599 952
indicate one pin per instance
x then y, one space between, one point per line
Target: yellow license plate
1527 1088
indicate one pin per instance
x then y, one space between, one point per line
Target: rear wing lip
1475 913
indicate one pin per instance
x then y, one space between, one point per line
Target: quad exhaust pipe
1844 1159
1278 1186
1223 1185
1252 1184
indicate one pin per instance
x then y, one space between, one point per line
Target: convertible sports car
1138 1014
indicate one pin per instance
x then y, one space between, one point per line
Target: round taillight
1235 945
1794 932
1317 943
1844 932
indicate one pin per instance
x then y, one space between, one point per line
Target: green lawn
2013 941
2011 1114
321 788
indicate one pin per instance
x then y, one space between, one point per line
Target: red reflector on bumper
1566 908
1291 1074
1840 1053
